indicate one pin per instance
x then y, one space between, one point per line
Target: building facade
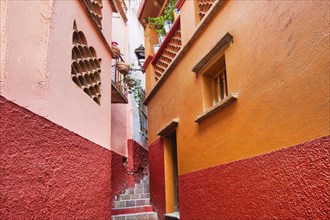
65 126
238 102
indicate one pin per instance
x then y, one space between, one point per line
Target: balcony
168 50
149 8
160 64
118 87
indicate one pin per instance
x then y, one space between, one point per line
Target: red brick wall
157 177
291 183
48 172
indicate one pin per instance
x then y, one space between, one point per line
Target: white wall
129 36
135 39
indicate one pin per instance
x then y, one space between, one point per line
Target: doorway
171 174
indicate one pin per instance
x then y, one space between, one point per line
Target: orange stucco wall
278 64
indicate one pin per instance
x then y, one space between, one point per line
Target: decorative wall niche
204 6
85 67
95 8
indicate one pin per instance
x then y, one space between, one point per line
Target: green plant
157 23
134 86
168 11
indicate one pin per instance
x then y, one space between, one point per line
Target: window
215 89
219 87
212 69
215 84
143 118
143 124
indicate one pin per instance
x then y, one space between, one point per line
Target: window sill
210 111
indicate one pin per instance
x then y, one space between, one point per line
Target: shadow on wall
137 161
128 171
157 177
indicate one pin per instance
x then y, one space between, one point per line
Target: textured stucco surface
157 177
278 64
119 128
137 160
48 172
291 183
127 171
120 176
36 71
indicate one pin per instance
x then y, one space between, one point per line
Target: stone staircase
134 203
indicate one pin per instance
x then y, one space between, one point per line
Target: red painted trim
132 210
141 8
179 4
147 62
166 40
292 183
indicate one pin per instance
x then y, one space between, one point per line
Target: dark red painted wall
157 177
120 177
291 183
124 175
138 160
48 172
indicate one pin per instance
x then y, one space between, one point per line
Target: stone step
131 203
131 191
137 216
134 203
141 185
131 210
144 181
134 196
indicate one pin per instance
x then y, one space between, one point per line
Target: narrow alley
164 109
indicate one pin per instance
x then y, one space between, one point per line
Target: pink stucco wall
36 71
3 39
119 124
128 35
49 172
120 118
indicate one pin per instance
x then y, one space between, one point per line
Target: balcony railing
119 89
168 50
204 6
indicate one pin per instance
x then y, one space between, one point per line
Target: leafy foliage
134 86
157 23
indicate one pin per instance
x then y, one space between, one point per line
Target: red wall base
137 161
48 172
126 174
291 183
157 177
120 176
